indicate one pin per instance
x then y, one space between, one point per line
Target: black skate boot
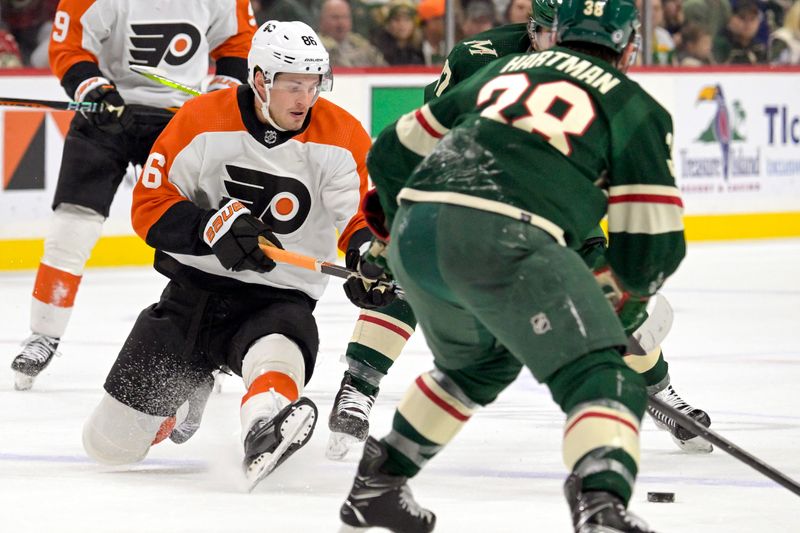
599 511
270 441
37 352
349 419
686 440
381 500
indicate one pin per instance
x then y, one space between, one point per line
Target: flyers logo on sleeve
172 42
282 203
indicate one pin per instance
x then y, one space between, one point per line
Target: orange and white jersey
304 185
175 36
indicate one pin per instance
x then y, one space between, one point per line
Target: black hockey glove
374 216
370 289
232 233
115 117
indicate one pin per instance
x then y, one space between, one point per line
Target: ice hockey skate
349 419
600 511
270 441
381 500
37 352
684 438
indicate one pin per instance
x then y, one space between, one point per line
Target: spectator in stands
479 16
368 17
346 49
517 11
663 45
713 14
784 44
9 51
399 38
30 21
695 48
431 20
736 43
673 19
281 10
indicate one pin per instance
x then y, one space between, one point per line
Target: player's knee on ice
117 434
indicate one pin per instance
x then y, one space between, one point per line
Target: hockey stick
86 107
652 332
156 75
82 107
317 265
689 423
727 446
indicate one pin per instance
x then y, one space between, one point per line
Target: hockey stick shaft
86 107
157 77
317 265
303 261
83 107
725 445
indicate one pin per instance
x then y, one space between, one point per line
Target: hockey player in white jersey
92 47
233 168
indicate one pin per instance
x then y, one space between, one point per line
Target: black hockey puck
661 497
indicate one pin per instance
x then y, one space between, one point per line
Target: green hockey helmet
608 23
543 12
541 25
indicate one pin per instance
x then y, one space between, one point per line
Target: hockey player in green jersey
466 58
469 55
498 182
384 326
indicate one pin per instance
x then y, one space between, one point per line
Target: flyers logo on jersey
282 203
172 42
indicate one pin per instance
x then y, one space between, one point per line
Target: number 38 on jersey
555 110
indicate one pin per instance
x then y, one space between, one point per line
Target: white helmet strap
264 106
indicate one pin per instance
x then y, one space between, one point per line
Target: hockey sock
378 338
268 394
53 298
604 401
652 367
432 412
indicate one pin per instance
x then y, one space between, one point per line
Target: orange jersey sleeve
66 38
238 45
359 146
155 192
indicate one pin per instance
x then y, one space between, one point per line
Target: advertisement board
735 153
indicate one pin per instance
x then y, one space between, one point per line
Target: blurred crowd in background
365 33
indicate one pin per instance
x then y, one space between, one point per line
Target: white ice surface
733 351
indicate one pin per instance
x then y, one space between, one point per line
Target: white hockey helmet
287 47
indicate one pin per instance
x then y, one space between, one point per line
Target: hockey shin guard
604 401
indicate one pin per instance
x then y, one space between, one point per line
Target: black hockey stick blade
724 444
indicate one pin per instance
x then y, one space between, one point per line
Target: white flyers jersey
176 36
304 185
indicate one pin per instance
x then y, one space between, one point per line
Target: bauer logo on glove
233 235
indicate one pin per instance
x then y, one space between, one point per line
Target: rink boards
735 153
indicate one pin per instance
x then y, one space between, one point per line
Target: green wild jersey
555 138
470 55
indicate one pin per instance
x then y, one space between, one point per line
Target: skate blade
339 444
264 464
23 381
697 445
